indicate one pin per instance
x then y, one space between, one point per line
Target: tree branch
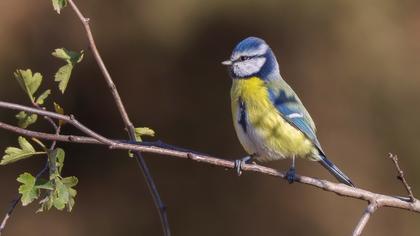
160 148
370 209
401 176
9 213
127 122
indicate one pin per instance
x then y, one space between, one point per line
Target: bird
270 120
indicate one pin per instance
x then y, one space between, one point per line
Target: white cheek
249 67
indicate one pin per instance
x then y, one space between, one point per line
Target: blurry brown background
355 64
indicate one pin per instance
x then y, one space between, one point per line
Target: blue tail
333 169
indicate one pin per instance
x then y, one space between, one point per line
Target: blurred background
355 65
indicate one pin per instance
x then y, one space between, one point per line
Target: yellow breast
268 134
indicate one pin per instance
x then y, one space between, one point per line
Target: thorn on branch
401 177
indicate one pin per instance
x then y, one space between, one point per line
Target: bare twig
15 202
401 176
370 209
9 213
53 124
127 122
94 138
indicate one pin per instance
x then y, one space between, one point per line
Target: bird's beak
227 63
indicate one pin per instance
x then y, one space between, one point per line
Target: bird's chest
259 126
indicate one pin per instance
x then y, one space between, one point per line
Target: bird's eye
243 58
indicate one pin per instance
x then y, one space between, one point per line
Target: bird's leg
291 173
240 162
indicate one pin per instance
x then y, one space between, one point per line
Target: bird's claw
291 175
239 164
238 167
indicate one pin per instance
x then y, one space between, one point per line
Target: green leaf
40 100
143 131
61 196
130 154
25 145
61 53
139 132
70 182
27 189
25 119
64 193
71 57
59 155
44 184
29 83
13 154
59 4
63 74
71 202
59 110
46 204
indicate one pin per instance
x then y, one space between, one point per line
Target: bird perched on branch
269 118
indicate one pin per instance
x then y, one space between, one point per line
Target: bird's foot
291 175
240 162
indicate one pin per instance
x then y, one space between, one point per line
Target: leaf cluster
63 74
55 191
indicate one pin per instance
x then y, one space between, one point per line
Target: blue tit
269 118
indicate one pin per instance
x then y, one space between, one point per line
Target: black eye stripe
245 58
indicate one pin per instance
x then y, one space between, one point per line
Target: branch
160 148
370 209
9 213
127 122
401 176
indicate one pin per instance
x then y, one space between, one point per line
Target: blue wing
291 108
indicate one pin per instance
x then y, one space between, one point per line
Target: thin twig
401 176
95 138
370 209
15 202
9 213
127 122
57 128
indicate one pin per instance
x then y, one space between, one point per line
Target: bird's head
252 57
